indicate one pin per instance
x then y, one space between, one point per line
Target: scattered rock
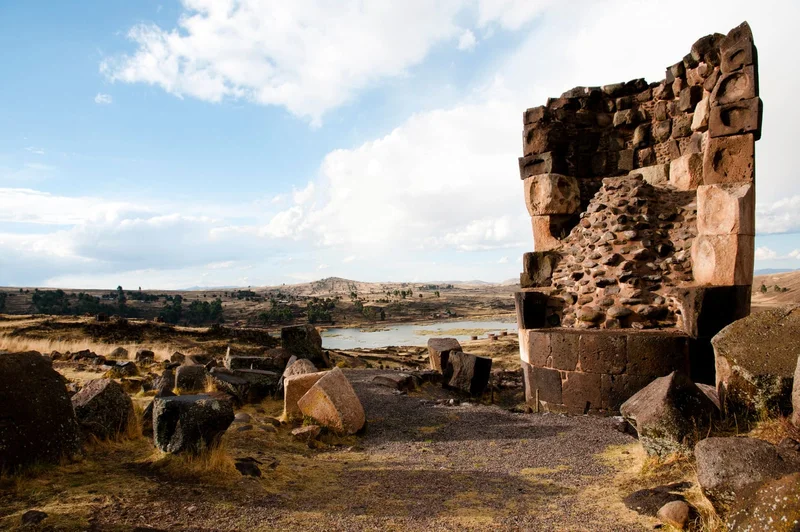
190 423
33 517
122 369
674 514
333 403
119 353
248 466
190 378
37 423
439 350
727 467
177 357
304 341
242 417
306 433
103 409
668 414
649 501
145 356
398 381
468 373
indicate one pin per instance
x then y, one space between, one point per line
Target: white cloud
103 99
503 260
34 150
349 259
322 267
309 56
781 216
467 40
765 253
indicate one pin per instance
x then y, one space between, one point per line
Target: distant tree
776 288
763 288
436 293
3 297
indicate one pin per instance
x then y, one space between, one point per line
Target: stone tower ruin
642 205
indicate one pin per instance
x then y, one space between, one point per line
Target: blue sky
198 143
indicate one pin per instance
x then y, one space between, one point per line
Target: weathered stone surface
122 369
616 389
145 356
190 378
796 396
581 392
739 85
656 354
537 268
304 341
689 98
190 423
299 367
543 239
756 358
728 467
551 194
723 260
674 514
306 433
563 352
543 383
333 403
668 414
468 373
656 175
701 114
119 353
729 160
103 409
531 310
706 310
534 347
165 383
295 387
743 116
249 362
737 49
726 209
686 172
177 358
602 353
542 163
439 349
37 423
397 381
774 506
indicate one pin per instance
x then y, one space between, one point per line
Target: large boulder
37 422
245 385
439 350
103 409
164 384
669 414
468 373
190 378
119 353
333 403
729 467
756 358
294 388
304 341
145 356
774 506
190 423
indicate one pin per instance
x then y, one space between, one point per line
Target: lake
417 335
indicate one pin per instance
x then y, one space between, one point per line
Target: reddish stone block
564 349
538 267
542 163
546 381
581 392
723 260
737 49
551 194
726 209
736 118
656 354
729 160
602 352
531 309
739 85
534 347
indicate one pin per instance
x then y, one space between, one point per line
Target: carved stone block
726 209
723 260
736 118
551 194
729 160
738 85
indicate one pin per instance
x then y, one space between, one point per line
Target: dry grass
213 466
42 345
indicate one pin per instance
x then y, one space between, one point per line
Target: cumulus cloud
765 253
103 99
308 56
467 41
781 216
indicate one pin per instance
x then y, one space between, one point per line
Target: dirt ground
418 465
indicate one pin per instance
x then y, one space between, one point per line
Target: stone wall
642 205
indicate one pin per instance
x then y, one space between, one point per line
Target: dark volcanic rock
190 378
468 373
304 341
37 422
439 350
190 423
775 505
103 408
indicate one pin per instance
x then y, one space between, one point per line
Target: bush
3 297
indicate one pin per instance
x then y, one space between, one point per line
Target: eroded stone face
729 160
551 194
723 260
726 209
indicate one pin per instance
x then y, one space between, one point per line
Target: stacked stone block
642 205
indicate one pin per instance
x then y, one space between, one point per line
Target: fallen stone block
669 414
38 423
190 378
723 260
397 381
726 209
736 118
177 358
775 505
145 356
551 194
439 349
103 409
674 514
247 362
756 358
730 467
294 388
468 373
686 172
122 369
729 160
304 341
333 403
190 423
736 86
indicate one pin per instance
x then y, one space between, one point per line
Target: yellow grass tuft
48 345
214 466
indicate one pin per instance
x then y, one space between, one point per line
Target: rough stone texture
37 423
294 388
796 396
774 506
736 86
299 367
674 514
542 163
537 268
244 386
657 174
723 260
668 414
333 403
190 423
247 362
190 378
439 350
727 467
304 341
145 356
468 373
397 381
736 118
726 209
737 49
543 239
686 172
531 311
551 194
756 358
103 409
729 160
